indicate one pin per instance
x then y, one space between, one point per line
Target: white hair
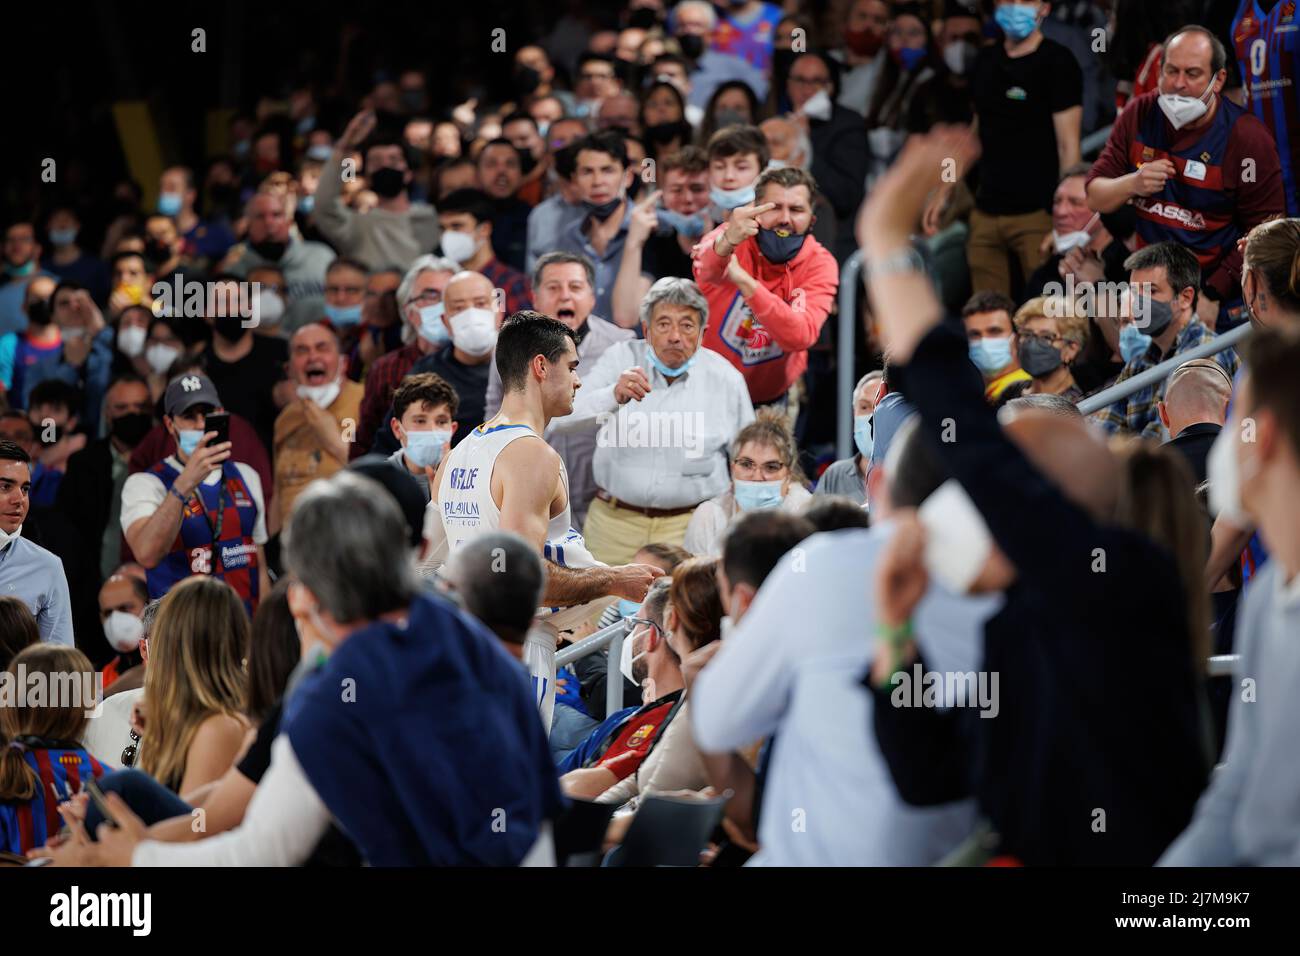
426 263
701 5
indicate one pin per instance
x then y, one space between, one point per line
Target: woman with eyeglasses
1051 337
765 473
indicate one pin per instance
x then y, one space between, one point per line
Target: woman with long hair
732 104
195 686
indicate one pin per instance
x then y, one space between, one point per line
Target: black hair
53 391
835 513
757 542
273 653
12 451
611 142
524 336
472 202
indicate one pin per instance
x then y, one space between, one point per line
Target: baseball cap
186 391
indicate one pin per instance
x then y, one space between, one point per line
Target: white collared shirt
668 450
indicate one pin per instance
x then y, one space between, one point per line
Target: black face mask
157 252
782 60
271 249
692 46
526 162
643 18
131 428
777 248
665 133
230 327
1038 358
526 80
42 433
38 312
605 209
388 182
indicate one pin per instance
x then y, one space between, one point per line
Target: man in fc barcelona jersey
1266 40
1199 170
197 512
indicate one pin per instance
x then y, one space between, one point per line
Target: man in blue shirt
28 571
601 178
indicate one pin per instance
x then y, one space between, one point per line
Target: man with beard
500 173
302 263
770 284
397 230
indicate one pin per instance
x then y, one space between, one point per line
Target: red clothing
637 735
1254 187
1146 80
767 339
382 380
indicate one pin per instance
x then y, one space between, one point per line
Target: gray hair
559 258
656 600
699 5
877 375
426 263
346 541
1043 401
499 579
675 291
147 617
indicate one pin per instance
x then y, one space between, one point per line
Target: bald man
1194 410
472 313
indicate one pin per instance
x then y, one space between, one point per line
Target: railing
1156 373
1221 665
612 636
1092 144
844 348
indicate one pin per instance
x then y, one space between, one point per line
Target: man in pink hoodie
770 283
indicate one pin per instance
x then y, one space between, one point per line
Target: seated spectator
312 432
1162 323
765 473
381 328
1083 251
555 214
27 571
17 628
65 259
346 282
122 600
693 23
913 61
652 751
660 237
398 229
22 255
90 494
663 120
424 421
166 509
737 157
37 344
848 476
732 104
835 513
1050 335
419 299
204 240
466 220
500 175
40 757
1194 410
994 347
770 286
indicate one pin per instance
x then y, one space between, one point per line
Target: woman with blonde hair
1052 334
195 686
765 473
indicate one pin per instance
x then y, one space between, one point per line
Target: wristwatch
906 259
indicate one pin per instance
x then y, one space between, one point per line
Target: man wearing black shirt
243 366
1028 94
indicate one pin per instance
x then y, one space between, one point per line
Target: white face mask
959 56
1063 243
474 331
957 541
459 246
626 659
130 341
1224 473
160 357
1181 110
322 395
123 631
7 539
270 307
818 106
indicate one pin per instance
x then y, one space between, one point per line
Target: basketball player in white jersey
503 476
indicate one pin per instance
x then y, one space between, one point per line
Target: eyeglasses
1047 338
344 289
809 80
771 469
428 297
630 624
130 750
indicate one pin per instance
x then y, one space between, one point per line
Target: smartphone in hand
97 797
218 422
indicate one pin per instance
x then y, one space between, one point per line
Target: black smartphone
97 797
218 422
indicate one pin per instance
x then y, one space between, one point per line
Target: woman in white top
765 473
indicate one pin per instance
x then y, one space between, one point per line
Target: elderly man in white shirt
665 409
564 288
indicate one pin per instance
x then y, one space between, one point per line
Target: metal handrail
1221 665
848 298
1092 143
1120 390
613 636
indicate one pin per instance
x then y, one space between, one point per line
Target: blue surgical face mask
989 355
1017 20
343 314
863 436
664 370
306 204
319 152
910 57
628 608
731 198
432 328
692 227
169 204
756 495
63 237
188 440
1133 342
424 449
